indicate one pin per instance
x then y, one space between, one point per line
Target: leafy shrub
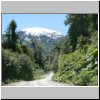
54 65
10 65
19 48
94 81
79 67
16 67
26 71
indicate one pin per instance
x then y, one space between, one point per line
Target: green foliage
81 40
25 49
94 81
78 67
38 73
74 59
10 65
81 28
38 51
78 55
17 66
26 71
12 37
54 64
22 64
19 48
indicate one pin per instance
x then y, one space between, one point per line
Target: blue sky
50 21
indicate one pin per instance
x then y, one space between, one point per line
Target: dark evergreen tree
12 37
80 24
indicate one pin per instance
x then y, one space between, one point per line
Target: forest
74 59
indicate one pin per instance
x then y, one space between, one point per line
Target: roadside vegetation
74 60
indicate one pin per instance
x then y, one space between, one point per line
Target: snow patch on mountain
37 31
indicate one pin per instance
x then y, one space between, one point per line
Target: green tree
26 71
38 52
12 37
10 65
80 24
13 27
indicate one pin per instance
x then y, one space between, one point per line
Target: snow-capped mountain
47 37
28 33
37 31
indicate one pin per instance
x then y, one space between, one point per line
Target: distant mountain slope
48 38
28 33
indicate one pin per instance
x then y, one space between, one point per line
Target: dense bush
15 66
78 54
79 68
10 65
26 70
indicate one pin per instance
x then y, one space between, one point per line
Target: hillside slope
79 67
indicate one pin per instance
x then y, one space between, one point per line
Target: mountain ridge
41 33
46 37
38 31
